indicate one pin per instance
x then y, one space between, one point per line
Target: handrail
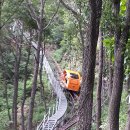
62 101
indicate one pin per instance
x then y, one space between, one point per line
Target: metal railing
50 120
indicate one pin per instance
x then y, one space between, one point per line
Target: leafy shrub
3 120
58 54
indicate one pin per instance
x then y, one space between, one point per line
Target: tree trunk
0 14
99 85
6 91
114 106
128 120
41 82
25 81
7 101
36 68
39 20
81 33
110 76
16 80
3 65
120 44
128 84
86 96
34 84
4 72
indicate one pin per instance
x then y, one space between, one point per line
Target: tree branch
32 11
41 14
52 16
76 14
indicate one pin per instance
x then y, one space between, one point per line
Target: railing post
49 112
53 110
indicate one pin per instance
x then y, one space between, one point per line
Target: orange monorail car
72 80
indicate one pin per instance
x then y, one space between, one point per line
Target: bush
59 53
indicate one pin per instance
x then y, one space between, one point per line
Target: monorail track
51 122
64 102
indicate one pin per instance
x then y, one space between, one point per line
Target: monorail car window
74 76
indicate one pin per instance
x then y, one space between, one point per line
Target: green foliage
57 34
127 60
69 39
54 33
39 113
123 113
9 9
64 32
122 8
50 101
107 19
3 104
109 45
58 54
3 120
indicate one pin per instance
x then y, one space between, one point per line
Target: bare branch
76 14
41 9
41 12
52 17
32 11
